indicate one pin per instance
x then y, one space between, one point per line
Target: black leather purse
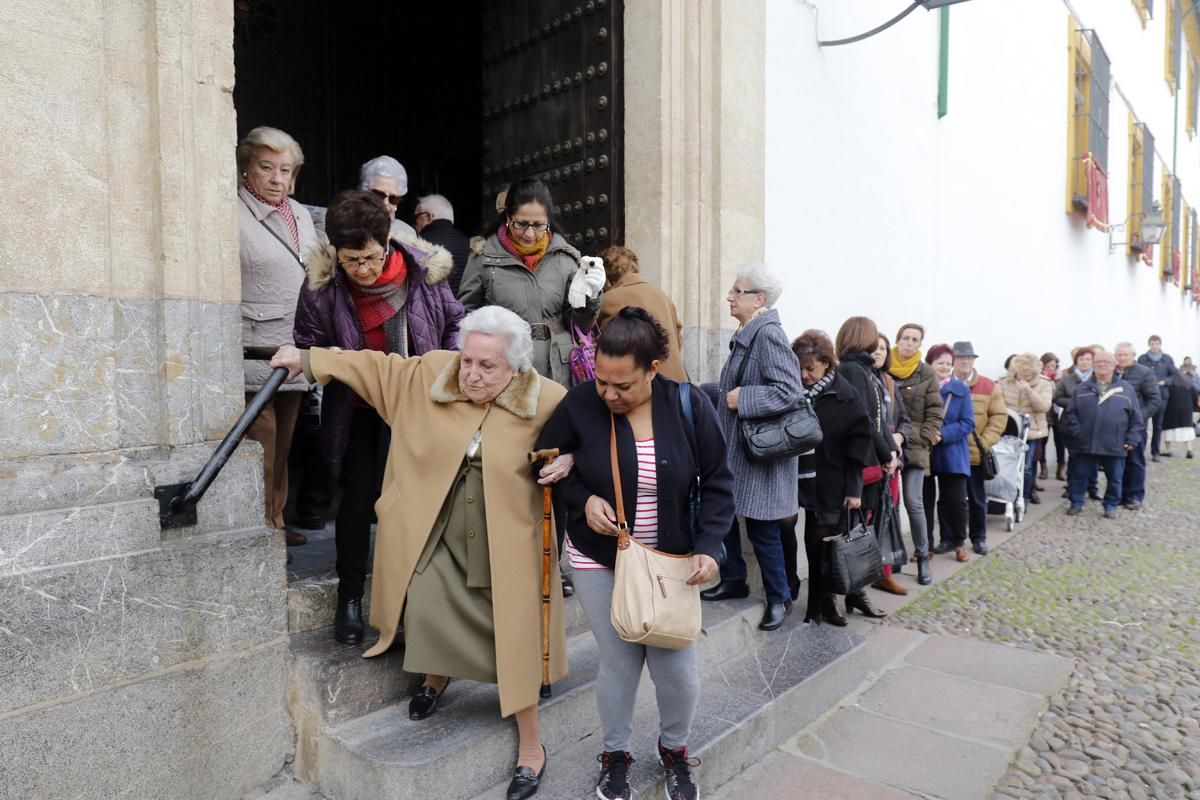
791 433
987 460
852 559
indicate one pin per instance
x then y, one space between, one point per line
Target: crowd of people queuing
441 361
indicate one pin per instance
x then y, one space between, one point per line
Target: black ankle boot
924 575
858 601
726 590
348 624
830 613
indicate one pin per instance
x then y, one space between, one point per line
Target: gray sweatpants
674 672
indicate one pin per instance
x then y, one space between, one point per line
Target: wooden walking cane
534 457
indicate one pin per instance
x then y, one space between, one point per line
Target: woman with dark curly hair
367 291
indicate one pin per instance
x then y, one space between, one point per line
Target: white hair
438 207
762 278
499 321
1125 344
383 167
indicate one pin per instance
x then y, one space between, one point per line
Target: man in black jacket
1142 379
1104 421
434 221
1164 369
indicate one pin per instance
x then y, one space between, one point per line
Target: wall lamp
1153 228
928 5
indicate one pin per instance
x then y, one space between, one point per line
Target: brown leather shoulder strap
622 525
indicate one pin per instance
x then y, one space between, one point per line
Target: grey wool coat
770 386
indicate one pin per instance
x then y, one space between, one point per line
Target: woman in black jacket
661 455
831 476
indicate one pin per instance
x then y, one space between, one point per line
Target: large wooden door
552 108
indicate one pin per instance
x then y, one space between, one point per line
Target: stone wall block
56 375
210 730
84 626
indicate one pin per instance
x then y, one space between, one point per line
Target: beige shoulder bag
652 603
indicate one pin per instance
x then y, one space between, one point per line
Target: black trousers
978 500
362 470
814 549
952 508
929 496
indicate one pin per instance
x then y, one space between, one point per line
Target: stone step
312 601
466 748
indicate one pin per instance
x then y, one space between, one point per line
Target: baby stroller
1006 491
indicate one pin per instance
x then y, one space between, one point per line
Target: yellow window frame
1171 52
1193 75
1167 252
1079 104
1143 12
1185 243
1137 177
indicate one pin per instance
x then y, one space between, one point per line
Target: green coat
493 276
923 399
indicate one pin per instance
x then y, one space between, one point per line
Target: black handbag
791 433
852 559
987 460
887 531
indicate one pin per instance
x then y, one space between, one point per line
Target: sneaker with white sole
613 783
681 784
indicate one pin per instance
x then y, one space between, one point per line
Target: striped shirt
645 513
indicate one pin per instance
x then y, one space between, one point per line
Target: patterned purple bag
582 360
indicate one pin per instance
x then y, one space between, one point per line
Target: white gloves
587 283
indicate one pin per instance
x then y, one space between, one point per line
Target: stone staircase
354 738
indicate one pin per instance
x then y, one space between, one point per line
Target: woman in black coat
1178 422
831 476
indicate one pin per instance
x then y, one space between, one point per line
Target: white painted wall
876 207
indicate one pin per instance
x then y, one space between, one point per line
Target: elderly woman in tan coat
1027 391
276 236
458 550
626 287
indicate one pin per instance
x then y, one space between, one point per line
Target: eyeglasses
394 199
732 292
358 263
520 226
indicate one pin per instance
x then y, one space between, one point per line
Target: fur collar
434 259
520 397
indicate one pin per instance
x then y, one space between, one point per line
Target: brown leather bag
652 603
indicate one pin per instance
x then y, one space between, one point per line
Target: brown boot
1042 471
1060 472
961 554
888 584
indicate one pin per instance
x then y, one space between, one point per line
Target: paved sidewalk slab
949 704
1003 665
905 756
785 775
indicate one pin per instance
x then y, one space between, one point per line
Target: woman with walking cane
642 445
459 547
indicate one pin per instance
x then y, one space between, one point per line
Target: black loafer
347 623
774 615
942 547
524 783
727 590
980 548
425 702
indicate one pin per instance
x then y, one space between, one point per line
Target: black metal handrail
177 501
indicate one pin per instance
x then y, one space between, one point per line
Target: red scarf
529 256
375 309
285 211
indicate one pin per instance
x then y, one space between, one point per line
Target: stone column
695 106
133 662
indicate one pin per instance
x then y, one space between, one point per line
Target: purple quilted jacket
325 317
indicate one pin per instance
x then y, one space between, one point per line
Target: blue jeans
1080 471
1133 487
1030 467
764 536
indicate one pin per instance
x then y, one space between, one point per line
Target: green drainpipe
944 62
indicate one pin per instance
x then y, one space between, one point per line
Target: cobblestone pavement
1120 596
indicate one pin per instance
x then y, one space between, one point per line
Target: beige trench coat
432 423
633 290
271 280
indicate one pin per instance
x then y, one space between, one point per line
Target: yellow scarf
902 368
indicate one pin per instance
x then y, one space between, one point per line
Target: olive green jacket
923 399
